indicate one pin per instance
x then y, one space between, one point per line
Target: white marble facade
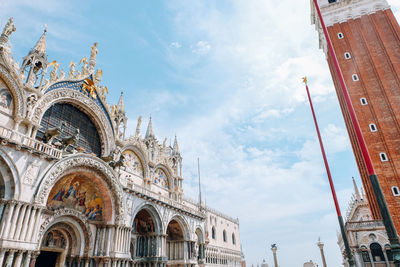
76 191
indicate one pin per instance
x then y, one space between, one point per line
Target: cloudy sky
225 76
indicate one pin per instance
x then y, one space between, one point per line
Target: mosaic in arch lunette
76 191
6 103
132 163
160 178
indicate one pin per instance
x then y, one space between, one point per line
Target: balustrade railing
36 145
166 200
364 225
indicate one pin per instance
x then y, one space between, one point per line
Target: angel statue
71 73
103 90
53 73
85 71
98 75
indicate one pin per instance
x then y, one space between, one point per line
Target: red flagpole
380 199
328 172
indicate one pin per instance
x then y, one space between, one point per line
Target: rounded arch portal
64 242
147 238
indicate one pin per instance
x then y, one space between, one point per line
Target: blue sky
225 76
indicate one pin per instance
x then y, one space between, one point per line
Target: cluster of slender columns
19 221
17 258
371 263
103 241
122 239
149 245
214 256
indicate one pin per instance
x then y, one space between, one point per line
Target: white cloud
259 153
201 48
176 45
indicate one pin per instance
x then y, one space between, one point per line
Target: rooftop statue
9 28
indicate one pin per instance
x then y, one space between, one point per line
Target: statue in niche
5 100
30 103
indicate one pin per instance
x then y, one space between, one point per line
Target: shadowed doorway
47 258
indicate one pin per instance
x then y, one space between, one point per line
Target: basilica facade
76 190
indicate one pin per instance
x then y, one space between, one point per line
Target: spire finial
139 122
149 132
121 105
40 46
175 149
357 193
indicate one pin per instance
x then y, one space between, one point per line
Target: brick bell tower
366 39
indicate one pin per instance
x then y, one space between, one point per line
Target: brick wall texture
373 42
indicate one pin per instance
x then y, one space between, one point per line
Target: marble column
27 259
10 258
7 221
35 225
386 258
25 223
18 259
34 256
116 238
103 242
20 219
2 252
372 259
30 224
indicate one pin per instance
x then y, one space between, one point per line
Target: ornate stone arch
77 222
13 184
16 92
154 212
183 224
83 102
81 162
199 229
141 155
168 172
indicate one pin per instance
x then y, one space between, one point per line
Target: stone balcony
28 143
